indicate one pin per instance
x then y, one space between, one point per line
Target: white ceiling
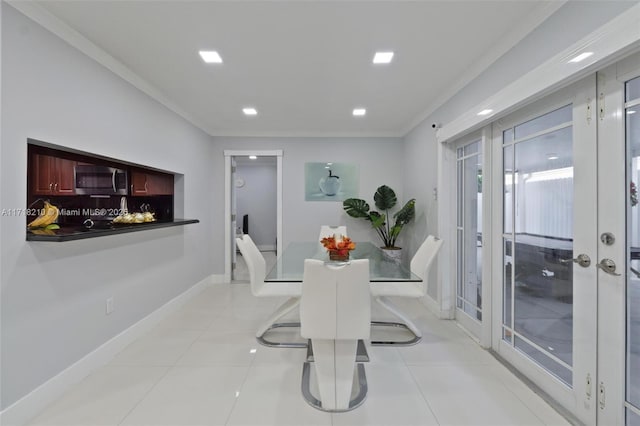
304 64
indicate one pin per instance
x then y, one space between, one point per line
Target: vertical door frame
228 234
446 198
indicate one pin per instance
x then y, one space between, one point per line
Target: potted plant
385 199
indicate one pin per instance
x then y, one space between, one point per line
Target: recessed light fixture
250 111
253 157
631 111
485 112
552 156
359 112
581 57
210 56
382 57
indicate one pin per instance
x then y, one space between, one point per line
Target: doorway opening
253 205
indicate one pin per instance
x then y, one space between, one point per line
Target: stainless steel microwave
100 180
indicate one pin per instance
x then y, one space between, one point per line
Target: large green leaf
406 213
385 198
377 219
356 207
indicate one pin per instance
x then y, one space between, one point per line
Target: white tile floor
202 366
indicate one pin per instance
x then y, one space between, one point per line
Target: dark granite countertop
70 233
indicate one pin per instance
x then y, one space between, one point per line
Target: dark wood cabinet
52 175
151 183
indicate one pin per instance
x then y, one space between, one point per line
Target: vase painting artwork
330 181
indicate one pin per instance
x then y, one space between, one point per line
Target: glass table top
289 266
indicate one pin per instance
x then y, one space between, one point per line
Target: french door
566 246
619 243
545 313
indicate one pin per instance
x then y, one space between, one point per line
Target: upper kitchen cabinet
145 183
52 175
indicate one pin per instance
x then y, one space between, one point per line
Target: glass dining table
289 266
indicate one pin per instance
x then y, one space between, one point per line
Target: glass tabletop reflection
289 266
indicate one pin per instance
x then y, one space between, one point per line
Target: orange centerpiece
338 248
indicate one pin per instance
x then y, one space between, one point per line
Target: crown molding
505 44
609 43
50 22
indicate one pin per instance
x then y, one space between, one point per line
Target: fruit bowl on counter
134 218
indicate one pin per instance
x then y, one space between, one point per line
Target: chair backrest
336 300
255 262
327 231
424 257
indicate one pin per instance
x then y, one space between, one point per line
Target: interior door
545 311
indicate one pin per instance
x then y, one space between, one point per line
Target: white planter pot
394 255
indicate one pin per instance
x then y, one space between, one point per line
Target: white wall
53 294
257 198
379 159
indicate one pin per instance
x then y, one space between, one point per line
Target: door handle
113 181
582 260
608 266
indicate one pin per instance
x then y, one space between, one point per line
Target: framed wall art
330 181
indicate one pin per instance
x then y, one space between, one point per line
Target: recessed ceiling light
210 56
250 111
359 112
581 57
552 156
382 57
485 112
253 157
631 111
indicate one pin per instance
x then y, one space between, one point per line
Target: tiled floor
202 366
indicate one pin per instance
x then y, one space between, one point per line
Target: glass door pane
632 104
469 230
538 238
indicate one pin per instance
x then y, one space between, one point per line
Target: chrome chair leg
360 380
270 324
361 352
407 324
263 340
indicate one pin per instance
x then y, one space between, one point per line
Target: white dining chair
335 312
259 288
381 291
327 231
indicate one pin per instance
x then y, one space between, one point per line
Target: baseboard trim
23 410
433 306
218 279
